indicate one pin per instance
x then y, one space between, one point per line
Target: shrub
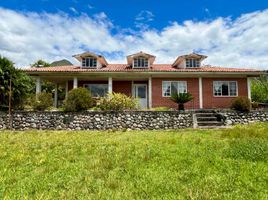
42 102
78 99
118 102
161 108
181 99
241 104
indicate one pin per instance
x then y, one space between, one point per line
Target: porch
138 87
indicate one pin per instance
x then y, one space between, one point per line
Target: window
97 90
225 88
89 62
140 62
170 87
191 62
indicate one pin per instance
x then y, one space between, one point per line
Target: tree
40 63
181 99
259 89
21 84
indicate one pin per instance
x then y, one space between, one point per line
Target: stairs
208 119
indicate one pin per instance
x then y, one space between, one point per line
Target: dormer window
192 62
90 62
140 62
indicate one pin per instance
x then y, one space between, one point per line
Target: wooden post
9 103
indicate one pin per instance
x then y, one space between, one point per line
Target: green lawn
181 164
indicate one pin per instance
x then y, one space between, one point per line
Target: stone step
206 118
204 111
209 123
213 127
205 115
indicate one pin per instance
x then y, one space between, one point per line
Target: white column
56 95
66 89
200 93
75 82
38 86
249 87
150 92
110 85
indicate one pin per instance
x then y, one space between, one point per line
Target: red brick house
152 84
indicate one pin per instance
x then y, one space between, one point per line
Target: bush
78 99
241 104
161 108
118 102
42 102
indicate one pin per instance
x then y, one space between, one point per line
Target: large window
140 62
170 87
89 62
97 90
192 62
225 88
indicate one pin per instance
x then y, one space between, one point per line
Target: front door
140 92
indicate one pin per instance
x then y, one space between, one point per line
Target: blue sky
123 13
227 31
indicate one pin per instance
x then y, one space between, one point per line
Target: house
212 87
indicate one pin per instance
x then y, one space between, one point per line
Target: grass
181 164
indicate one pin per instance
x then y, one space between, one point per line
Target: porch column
200 93
75 83
110 85
66 89
56 95
150 92
38 86
249 87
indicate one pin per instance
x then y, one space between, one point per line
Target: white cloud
28 36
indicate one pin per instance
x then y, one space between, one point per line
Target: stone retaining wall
132 120
233 117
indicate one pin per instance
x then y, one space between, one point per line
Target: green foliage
241 104
181 99
118 102
79 99
259 89
42 102
185 164
40 63
161 108
21 85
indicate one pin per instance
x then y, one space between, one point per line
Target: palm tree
181 99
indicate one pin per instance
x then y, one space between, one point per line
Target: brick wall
209 101
122 87
159 100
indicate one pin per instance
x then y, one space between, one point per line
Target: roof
128 68
192 55
86 54
141 53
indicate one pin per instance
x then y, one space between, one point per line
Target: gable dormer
91 60
140 60
192 60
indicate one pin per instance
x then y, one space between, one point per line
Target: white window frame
169 83
90 84
95 61
192 63
221 82
136 61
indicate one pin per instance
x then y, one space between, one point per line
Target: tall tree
40 63
259 89
21 84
